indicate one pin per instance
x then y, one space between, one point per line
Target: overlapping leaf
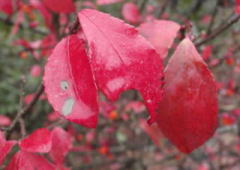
121 58
69 82
188 111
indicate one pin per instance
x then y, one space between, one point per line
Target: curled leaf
121 58
188 110
69 82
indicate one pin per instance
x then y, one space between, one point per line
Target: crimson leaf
39 141
121 58
188 115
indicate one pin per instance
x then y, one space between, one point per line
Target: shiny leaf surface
188 111
121 58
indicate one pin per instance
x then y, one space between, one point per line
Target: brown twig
25 110
214 14
219 30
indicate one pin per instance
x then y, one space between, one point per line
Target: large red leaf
62 143
69 82
5 147
29 161
60 6
6 6
39 141
188 111
161 34
121 58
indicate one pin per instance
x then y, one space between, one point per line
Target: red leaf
60 6
131 13
188 111
122 59
29 161
5 147
69 82
61 144
161 34
6 6
39 141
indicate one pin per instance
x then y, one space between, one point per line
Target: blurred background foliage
18 85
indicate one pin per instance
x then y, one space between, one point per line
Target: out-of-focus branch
214 14
25 110
219 30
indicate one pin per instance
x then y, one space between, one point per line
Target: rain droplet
68 106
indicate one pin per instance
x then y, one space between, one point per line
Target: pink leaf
39 141
131 13
4 120
69 82
35 71
29 161
61 144
188 111
160 33
107 2
6 6
60 6
122 59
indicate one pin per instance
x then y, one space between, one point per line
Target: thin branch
219 30
214 14
26 109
